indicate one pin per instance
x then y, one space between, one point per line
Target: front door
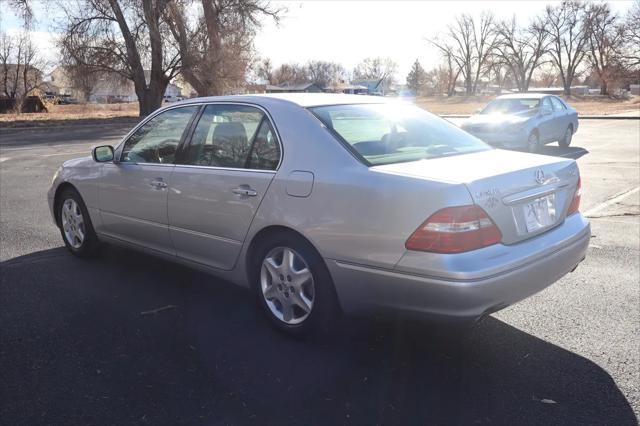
219 181
547 127
133 191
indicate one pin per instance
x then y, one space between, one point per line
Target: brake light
575 202
455 230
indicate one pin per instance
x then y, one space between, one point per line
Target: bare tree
469 43
216 47
606 39
289 74
631 46
569 37
24 8
521 50
263 69
376 68
324 73
126 38
20 68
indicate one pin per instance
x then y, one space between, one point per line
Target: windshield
511 106
395 133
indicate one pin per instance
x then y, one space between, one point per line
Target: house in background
378 86
347 88
107 87
294 88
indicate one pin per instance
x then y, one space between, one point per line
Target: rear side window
234 136
395 133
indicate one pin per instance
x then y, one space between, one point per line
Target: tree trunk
603 87
150 99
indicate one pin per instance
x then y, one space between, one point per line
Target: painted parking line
611 201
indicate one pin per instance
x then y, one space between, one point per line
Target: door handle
158 183
244 190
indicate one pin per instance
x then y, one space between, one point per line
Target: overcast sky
341 31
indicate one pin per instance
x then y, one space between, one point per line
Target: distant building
294 88
575 90
108 87
351 89
379 86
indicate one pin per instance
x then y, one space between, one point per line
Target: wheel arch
56 198
269 231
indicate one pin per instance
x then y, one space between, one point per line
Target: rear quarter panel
353 213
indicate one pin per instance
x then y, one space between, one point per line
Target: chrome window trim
233 169
119 147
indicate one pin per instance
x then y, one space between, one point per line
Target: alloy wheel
73 223
287 285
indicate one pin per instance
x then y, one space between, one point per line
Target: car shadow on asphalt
574 152
127 338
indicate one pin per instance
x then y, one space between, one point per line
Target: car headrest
225 133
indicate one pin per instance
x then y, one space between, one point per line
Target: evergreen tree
416 78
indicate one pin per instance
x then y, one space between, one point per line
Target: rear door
133 190
219 181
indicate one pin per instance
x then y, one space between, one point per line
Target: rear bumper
473 292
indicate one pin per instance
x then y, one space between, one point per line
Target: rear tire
566 139
533 142
293 286
75 224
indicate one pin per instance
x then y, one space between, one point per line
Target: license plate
540 213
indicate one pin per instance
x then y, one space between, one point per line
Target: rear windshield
396 133
510 106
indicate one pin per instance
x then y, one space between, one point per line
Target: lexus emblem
539 175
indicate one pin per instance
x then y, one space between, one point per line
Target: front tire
533 142
293 286
566 140
75 224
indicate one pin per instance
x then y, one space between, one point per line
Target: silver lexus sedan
323 204
524 121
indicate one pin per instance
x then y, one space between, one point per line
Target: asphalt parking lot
129 339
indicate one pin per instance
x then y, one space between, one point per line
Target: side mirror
545 111
102 154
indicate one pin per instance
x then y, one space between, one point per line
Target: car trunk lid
524 194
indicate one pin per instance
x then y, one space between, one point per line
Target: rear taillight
575 202
455 230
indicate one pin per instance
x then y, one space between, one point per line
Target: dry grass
584 105
102 113
70 114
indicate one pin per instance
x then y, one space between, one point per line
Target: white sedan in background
524 121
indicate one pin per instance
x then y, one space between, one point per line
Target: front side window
234 136
557 104
395 133
158 139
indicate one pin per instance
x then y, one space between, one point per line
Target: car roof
524 96
302 99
